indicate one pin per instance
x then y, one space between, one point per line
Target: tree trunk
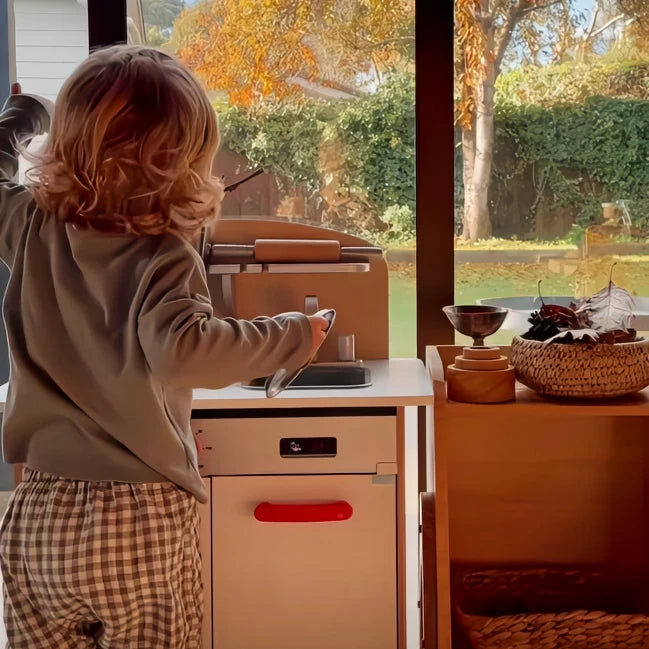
468 162
478 166
476 190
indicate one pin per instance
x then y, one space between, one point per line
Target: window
551 167
319 96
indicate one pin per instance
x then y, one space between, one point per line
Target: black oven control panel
308 447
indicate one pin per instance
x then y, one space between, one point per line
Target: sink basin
324 377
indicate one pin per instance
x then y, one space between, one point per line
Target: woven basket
519 590
583 371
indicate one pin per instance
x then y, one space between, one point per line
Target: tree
636 13
488 33
161 13
637 10
271 48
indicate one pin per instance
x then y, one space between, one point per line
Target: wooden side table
536 481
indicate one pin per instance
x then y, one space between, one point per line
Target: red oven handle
319 513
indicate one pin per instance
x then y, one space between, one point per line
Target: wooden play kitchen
540 520
306 522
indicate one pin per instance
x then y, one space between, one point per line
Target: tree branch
608 24
514 15
547 5
388 41
591 27
311 84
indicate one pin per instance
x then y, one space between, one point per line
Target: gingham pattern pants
100 565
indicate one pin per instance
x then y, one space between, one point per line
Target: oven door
304 561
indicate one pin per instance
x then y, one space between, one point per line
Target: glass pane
51 38
552 167
320 96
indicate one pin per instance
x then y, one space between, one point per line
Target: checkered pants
100 565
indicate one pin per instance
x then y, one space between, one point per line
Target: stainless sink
325 377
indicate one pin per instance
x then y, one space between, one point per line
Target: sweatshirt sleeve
185 345
21 119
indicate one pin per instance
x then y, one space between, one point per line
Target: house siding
51 40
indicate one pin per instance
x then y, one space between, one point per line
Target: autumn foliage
273 48
470 53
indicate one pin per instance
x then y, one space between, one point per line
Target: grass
514 244
403 314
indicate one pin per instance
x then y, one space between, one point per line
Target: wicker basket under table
539 609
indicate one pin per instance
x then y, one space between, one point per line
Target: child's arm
22 118
187 346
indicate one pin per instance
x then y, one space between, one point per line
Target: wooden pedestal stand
480 375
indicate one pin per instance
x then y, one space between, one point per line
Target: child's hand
319 326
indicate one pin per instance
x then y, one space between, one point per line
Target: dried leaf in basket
591 336
562 316
575 336
619 336
610 309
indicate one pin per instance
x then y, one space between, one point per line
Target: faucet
311 305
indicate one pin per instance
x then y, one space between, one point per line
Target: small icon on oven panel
308 447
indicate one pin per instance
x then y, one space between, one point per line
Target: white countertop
395 382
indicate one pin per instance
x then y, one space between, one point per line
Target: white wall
51 40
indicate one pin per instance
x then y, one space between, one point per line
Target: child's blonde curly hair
130 147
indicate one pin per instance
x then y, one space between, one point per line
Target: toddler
110 326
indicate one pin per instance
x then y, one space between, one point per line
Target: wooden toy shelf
533 482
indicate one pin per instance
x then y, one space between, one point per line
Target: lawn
403 313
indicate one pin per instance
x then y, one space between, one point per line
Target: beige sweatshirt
108 334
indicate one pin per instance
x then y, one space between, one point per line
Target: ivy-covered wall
563 147
357 152
569 137
567 160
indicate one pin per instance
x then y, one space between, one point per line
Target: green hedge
573 82
378 134
375 133
281 138
602 139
